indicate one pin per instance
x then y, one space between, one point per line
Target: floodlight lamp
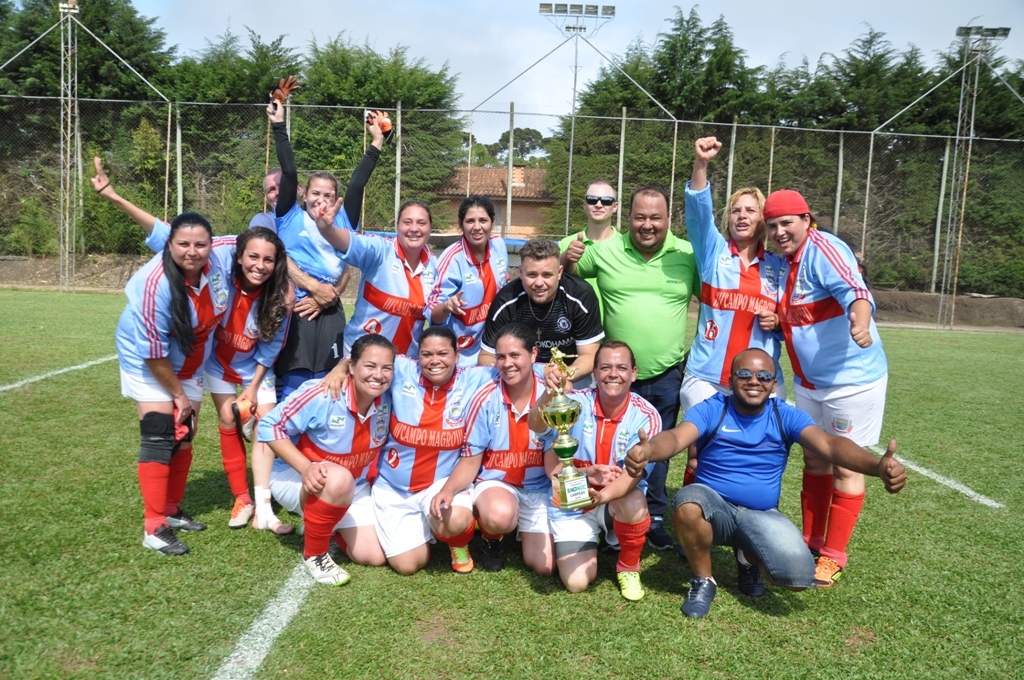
977 30
961 31
590 10
576 10
989 32
561 9
1002 32
608 11
545 8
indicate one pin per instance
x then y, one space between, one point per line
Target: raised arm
101 183
354 193
843 452
661 447
706 148
288 189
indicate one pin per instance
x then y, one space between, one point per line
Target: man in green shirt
646 278
600 203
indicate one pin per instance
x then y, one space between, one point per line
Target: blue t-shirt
744 460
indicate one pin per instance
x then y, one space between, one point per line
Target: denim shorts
767 535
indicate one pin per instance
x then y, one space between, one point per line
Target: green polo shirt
563 245
645 301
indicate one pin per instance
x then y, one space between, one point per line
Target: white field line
44 376
253 646
936 477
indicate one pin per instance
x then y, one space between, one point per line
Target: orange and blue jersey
428 425
512 453
458 271
816 288
603 439
309 249
392 299
328 430
731 295
237 347
144 330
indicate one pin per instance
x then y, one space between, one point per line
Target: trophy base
573 493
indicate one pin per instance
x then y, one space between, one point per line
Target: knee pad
156 438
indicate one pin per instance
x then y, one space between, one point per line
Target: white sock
741 558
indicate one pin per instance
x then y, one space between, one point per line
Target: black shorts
313 345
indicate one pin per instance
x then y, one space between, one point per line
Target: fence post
839 187
732 158
672 179
867 197
771 160
622 159
506 224
177 170
167 164
469 156
398 160
938 215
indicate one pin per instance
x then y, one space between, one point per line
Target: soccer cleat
749 579
462 561
630 586
245 418
324 570
657 537
164 540
180 520
827 572
241 513
697 602
493 558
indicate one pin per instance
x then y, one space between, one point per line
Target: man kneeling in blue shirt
743 443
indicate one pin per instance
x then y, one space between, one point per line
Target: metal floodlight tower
70 198
978 44
573 20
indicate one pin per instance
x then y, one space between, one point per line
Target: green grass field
930 591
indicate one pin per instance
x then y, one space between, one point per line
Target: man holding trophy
586 436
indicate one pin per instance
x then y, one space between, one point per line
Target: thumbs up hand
575 250
638 456
860 330
890 470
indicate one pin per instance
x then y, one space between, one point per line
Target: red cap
785 202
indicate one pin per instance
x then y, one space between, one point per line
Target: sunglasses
605 200
747 374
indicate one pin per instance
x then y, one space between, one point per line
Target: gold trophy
560 414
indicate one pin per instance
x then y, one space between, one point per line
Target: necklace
546 314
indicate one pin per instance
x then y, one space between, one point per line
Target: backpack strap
710 434
782 430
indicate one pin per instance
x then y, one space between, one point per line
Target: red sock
843 518
631 543
815 500
688 477
488 536
232 453
181 461
340 540
320 518
153 484
459 541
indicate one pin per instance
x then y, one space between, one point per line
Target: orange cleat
382 121
245 417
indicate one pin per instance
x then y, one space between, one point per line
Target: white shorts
533 505
585 528
286 488
851 411
266 393
147 388
696 390
402 517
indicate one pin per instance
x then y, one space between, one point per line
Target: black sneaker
657 537
493 558
749 580
697 602
180 520
164 540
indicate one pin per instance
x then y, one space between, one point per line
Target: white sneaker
241 513
324 570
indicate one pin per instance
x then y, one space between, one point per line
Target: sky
487 43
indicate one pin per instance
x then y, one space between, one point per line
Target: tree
525 141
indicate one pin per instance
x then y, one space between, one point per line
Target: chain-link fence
894 198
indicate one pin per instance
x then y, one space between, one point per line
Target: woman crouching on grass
245 345
326 449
